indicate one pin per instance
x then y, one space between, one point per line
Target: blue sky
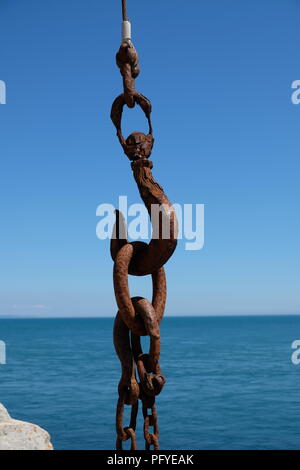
219 75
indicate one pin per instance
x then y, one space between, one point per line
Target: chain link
137 316
151 439
125 433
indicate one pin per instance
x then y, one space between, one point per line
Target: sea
231 381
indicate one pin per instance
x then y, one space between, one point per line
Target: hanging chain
137 316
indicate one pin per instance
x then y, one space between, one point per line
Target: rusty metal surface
138 316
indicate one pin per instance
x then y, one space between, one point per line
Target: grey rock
19 435
4 416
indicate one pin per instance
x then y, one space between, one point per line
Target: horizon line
33 317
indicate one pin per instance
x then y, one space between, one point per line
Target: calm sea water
230 381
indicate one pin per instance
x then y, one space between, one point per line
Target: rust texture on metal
138 316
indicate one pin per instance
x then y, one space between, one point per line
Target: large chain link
137 316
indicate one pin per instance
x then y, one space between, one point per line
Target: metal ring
128 387
117 111
125 304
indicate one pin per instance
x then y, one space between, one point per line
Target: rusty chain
137 316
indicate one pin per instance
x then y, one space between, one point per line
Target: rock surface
19 435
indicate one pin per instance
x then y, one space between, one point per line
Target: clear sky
219 75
